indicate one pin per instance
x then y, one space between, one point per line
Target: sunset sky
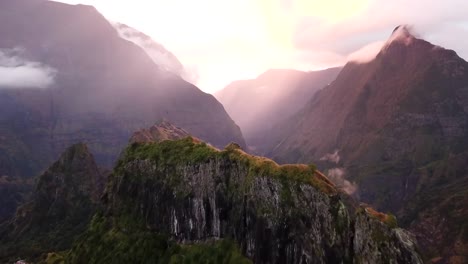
221 41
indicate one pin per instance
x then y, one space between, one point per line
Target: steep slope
64 200
104 88
13 192
258 105
182 200
388 119
438 211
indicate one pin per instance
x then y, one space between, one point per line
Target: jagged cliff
182 199
65 198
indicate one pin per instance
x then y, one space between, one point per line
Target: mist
366 53
17 72
332 157
337 176
257 105
162 57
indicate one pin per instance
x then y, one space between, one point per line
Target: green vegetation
222 251
391 221
127 241
170 152
190 151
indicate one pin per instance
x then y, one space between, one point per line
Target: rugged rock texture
260 104
157 133
387 243
104 89
391 119
172 197
64 200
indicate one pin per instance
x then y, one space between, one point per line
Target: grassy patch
388 219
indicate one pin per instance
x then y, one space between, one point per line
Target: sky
220 41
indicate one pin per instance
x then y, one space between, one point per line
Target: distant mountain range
96 87
398 127
259 105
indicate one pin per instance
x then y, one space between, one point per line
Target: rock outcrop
180 199
160 132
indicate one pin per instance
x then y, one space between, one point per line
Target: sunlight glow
227 40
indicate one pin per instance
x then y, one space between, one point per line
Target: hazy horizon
218 48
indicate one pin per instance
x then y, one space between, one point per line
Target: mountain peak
159 132
402 34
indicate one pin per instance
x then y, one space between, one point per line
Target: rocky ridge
186 198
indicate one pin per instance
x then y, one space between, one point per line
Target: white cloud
366 53
337 176
16 72
332 157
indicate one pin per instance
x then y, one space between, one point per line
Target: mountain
64 199
258 105
181 200
85 83
396 124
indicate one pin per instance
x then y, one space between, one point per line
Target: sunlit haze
222 41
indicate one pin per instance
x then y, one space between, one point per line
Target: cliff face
102 89
182 196
62 204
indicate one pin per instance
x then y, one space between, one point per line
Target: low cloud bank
17 72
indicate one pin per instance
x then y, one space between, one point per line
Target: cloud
332 157
366 53
337 176
157 52
17 72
